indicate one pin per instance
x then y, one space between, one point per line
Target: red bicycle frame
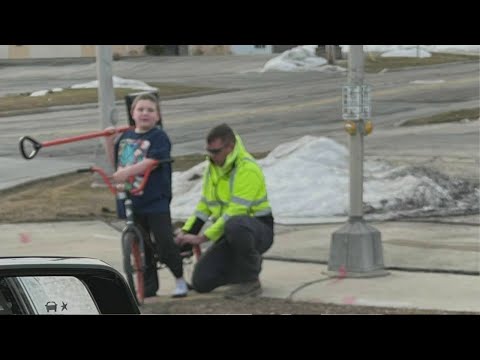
196 248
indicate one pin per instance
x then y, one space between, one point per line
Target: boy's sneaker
244 290
181 289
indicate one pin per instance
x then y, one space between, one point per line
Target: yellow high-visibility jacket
236 188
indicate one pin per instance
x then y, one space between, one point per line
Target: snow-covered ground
458 49
308 182
303 58
300 58
118 82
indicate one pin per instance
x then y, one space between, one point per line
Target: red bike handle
37 146
135 191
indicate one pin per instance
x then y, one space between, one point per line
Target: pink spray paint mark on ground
25 238
349 300
342 274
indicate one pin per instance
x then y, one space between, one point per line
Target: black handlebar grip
80 171
36 146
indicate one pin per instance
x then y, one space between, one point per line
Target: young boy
132 155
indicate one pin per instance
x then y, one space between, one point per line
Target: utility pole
356 248
330 52
106 96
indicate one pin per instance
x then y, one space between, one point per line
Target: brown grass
86 96
69 197
374 63
451 116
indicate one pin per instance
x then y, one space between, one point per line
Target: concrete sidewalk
301 276
428 291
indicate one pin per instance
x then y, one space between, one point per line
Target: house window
260 46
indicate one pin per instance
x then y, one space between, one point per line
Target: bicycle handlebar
196 248
113 189
37 146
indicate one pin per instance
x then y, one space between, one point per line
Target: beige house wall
54 51
18 51
4 51
122 50
128 50
210 50
88 50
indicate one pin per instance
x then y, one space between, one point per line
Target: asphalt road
267 109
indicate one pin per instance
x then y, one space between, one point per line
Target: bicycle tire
133 248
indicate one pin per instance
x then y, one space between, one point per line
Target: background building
74 51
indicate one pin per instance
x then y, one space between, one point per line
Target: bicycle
133 242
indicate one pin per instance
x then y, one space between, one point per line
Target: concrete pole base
356 275
356 251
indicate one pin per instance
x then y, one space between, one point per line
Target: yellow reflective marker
368 127
351 127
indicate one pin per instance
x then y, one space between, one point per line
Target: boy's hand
120 176
112 131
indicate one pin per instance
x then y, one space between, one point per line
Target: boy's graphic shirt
132 148
131 152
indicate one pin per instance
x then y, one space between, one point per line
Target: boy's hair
223 132
152 98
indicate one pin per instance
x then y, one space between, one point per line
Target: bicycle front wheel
133 248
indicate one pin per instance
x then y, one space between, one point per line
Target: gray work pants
236 257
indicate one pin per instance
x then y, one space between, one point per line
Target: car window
57 295
5 303
8 302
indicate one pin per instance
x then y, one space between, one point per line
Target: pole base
356 251
356 275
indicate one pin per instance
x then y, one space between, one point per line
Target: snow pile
308 182
300 58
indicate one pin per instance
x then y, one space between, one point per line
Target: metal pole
356 248
106 94
330 52
355 78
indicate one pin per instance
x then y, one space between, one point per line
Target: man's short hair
223 132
